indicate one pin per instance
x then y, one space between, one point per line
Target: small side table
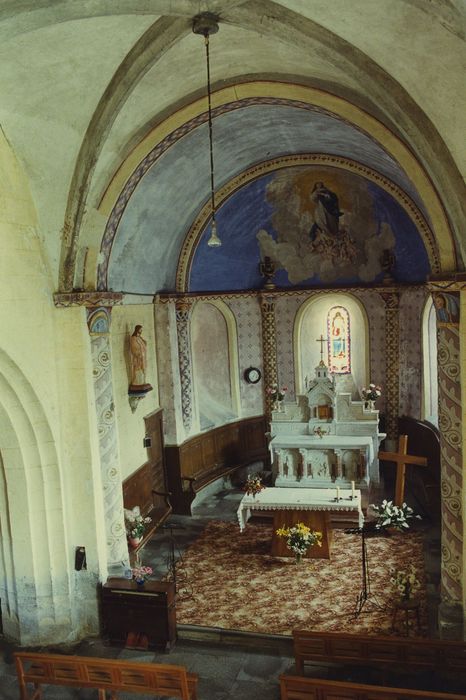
407 606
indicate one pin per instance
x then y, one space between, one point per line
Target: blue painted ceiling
170 195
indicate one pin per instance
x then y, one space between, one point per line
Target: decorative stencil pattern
412 304
392 361
183 312
269 344
249 330
451 461
117 547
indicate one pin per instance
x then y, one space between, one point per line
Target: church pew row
402 652
299 688
104 675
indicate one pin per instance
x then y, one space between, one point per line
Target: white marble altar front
280 499
325 438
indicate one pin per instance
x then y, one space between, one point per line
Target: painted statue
138 354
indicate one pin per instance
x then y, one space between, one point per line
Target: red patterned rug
236 584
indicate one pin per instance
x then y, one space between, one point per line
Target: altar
312 507
325 438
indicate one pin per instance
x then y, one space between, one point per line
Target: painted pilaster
98 321
451 457
392 361
269 345
183 314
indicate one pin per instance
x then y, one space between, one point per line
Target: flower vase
371 405
298 558
134 541
140 583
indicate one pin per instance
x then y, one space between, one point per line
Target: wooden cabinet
129 611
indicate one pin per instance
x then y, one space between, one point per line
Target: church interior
233 242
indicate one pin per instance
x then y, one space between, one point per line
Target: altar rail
414 653
209 456
299 688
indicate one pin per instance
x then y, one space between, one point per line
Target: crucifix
401 459
321 340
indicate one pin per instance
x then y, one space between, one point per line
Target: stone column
98 321
269 345
451 463
183 314
392 362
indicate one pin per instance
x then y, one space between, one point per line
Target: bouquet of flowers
253 485
299 538
405 582
135 525
141 573
389 515
277 394
372 393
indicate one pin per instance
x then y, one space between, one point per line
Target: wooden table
312 507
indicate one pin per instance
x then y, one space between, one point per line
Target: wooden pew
412 653
299 688
103 675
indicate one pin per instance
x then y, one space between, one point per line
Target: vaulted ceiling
104 105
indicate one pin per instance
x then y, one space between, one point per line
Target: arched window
338 341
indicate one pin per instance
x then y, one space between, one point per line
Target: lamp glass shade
214 241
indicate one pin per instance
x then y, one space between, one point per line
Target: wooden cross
321 340
401 459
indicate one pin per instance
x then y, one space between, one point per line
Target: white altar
312 507
281 499
325 439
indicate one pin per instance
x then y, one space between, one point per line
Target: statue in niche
138 356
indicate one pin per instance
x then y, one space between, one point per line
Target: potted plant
253 485
135 527
370 395
405 583
277 395
299 538
140 574
392 516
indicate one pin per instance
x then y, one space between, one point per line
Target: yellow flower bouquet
299 538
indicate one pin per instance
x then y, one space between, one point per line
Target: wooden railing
102 674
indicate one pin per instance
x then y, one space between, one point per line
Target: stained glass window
339 340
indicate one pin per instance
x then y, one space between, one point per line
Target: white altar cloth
274 498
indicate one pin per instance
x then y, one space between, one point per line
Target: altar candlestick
352 489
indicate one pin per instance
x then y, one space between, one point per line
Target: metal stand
365 596
176 574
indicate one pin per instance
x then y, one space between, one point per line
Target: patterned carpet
237 585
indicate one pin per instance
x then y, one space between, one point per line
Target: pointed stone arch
34 567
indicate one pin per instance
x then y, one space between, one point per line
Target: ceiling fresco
169 188
320 225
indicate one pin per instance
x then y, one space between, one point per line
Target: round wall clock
252 375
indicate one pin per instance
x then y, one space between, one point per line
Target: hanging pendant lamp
207 24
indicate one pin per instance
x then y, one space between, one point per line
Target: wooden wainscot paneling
206 457
147 486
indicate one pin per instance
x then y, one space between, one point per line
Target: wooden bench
299 688
139 489
102 674
413 653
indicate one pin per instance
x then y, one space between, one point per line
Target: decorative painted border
260 169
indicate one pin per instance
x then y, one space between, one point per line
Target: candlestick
352 489
338 493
